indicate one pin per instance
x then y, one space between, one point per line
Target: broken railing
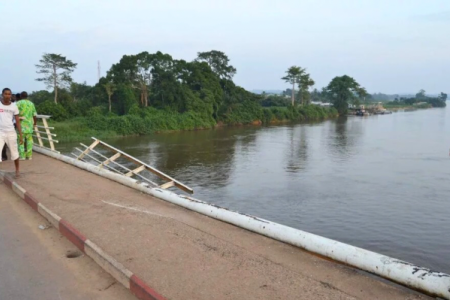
118 161
43 134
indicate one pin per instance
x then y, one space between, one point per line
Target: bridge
160 243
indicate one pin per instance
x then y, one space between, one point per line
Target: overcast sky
390 46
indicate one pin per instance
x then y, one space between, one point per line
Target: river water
378 182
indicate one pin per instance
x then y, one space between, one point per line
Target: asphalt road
34 263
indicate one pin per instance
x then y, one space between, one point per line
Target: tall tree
218 62
421 94
443 96
81 91
110 88
341 90
362 93
137 71
56 70
304 83
293 75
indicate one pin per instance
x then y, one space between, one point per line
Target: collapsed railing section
122 163
43 135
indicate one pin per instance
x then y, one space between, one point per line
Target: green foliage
77 129
244 113
297 114
420 101
218 62
293 76
274 100
57 111
147 93
81 92
55 70
342 90
39 97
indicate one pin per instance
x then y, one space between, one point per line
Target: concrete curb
127 278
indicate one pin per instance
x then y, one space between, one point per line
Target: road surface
179 253
33 262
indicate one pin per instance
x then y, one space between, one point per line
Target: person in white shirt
8 135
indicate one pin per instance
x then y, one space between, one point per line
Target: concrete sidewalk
184 255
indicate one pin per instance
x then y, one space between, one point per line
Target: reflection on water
297 156
378 182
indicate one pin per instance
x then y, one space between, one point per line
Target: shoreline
69 131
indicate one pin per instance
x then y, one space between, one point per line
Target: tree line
202 89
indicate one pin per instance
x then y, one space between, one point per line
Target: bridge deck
185 255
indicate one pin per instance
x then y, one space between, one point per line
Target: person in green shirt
27 115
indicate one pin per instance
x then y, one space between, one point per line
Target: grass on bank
150 120
407 106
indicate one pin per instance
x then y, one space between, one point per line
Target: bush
121 125
57 111
96 111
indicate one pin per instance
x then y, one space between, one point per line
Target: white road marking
134 209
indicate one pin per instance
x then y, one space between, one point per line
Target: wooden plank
167 185
92 146
135 171
111 159
147 167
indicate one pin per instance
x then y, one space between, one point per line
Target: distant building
324 104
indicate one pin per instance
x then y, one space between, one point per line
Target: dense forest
146 92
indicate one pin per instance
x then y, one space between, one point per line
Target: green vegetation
55 70
419 101
146 93
297 75
149 120
344 89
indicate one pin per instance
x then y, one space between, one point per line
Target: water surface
378 182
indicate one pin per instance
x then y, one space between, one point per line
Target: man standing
8 135
4 156
27 113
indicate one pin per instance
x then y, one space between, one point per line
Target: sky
389 46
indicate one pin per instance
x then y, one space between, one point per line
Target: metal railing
43 134
111 162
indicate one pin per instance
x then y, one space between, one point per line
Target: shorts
10 139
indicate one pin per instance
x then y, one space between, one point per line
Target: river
378 182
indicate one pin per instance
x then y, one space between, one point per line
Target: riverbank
151 121
400 107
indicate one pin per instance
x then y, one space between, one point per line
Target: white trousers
10 139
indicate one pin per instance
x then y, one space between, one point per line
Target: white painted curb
408 274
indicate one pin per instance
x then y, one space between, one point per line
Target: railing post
49 135
38 136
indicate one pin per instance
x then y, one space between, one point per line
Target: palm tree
293 75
